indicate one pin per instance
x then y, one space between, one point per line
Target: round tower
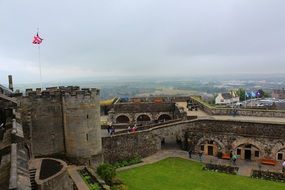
81 120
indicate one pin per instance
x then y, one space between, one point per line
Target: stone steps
32 179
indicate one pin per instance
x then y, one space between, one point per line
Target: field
181 174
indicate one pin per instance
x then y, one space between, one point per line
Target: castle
42 127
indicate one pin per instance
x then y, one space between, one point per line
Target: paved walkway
245 167
77 179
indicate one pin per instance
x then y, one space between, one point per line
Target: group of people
234 157
111 130
200 154
132 129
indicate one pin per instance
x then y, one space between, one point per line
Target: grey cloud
145 38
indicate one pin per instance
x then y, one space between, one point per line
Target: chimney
10 82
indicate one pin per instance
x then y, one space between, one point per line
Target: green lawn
181 174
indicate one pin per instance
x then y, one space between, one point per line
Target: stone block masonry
64 120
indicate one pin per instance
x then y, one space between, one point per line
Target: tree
241 94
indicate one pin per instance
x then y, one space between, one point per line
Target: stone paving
245 167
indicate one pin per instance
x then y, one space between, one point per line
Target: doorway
210 150
247 154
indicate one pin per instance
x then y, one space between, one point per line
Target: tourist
283 166
234 159
200 155
112 130
129 129
133 129
190 153
109 128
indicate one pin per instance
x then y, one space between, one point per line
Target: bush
107 172
128 162
119 187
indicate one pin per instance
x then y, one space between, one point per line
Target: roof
227 95
107 102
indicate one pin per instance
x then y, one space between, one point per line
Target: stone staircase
32 179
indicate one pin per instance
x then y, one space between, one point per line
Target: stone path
77 179
245 167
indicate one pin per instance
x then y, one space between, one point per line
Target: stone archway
249 149
164 117
210 146
143 119
122 119
278 151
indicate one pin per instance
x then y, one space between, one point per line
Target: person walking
234 159
190 153
283 166
200 155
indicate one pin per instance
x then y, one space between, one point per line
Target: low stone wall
144 107
58 181
268 175
243 112
125 146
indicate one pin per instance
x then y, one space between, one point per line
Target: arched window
164 117
142 118
122 119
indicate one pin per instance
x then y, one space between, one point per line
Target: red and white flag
37 39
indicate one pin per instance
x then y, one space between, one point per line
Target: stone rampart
227 135
242 112
143 107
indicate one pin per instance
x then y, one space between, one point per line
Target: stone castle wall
228 135
63 121
126 146
243 112
44 124
143 107
82 124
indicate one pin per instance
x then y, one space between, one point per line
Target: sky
140 38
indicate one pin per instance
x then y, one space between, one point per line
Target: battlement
61 91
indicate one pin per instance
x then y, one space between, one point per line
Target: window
256 154
238 151
280 156
202 147
86 137
87 116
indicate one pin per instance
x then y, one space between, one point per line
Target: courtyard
183 174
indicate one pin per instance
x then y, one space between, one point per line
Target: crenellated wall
64 120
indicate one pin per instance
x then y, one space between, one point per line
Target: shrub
107 172
119 187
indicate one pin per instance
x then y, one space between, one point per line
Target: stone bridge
250 140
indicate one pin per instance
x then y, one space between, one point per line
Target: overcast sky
95 38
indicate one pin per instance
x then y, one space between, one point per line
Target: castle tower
81 120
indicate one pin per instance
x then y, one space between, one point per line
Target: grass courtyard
182 174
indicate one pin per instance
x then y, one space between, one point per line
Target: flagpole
39 59
40 66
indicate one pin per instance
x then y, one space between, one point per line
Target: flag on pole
37 39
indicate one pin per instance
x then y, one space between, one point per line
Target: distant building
227 98
278 94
